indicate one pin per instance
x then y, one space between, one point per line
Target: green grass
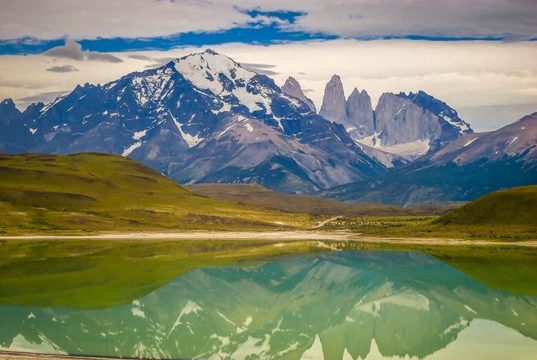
257 195
101 273
97 192
502 215
430 227
512 207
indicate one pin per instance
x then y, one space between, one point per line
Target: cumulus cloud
62 68
52 19
73 50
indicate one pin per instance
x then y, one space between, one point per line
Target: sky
479 56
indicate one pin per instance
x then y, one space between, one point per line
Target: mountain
463 170
200 118
405 126
334 106
292 88
98 192
326 306
414 123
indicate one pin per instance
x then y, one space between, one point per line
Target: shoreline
276 236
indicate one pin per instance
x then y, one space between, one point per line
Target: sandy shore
274 235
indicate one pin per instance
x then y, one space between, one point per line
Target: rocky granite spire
360 119
334 107
293 88
405 118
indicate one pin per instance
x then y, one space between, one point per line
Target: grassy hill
516 206
502 215
257 195
97 192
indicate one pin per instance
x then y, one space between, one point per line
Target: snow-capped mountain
462 170
406 126
202 117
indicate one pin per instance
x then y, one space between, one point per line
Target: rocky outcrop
402 118
354 113
407 125
334 107
293 88
360 118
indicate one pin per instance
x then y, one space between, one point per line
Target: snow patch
130 149
190 140
469 142
190 308
139 134
410 150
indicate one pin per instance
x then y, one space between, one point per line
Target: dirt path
276 235
323 223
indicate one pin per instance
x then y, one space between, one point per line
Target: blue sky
34 26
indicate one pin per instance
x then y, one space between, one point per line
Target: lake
339 305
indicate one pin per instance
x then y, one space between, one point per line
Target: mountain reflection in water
345 305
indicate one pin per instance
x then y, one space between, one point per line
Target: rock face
463 170
406 118
404 125
334 105
360 117
355 113
293 88
199 118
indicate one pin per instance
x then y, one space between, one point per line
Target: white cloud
491 84
48 19
73 50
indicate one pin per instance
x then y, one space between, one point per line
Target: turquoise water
347 305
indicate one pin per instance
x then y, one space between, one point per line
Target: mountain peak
8 108
333 107
213 71
210 52
292 88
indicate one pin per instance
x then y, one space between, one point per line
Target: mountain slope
171 117
516 206
462 170
96 192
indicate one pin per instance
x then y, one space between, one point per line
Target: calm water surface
350 305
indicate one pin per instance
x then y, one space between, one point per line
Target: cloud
44 97
52 19
73 50
263 69
62 68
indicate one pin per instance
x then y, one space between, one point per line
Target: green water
346 305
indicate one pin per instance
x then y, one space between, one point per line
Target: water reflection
333 306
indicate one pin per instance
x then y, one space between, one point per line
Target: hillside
516 206
257 195
96 192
